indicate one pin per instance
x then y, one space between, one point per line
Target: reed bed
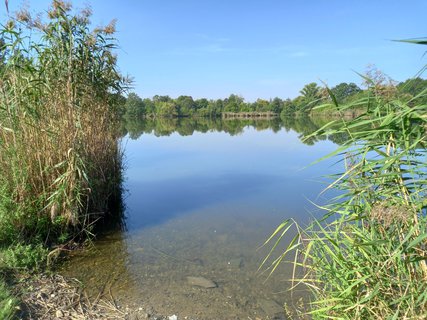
366 258
59 153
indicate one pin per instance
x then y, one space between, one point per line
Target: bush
25 257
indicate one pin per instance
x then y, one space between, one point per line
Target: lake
201 198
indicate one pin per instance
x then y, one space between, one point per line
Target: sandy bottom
146 270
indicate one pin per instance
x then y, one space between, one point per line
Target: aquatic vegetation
59 154
366 258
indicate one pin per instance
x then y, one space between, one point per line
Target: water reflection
164 199
303 125
202 196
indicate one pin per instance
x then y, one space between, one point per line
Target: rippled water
200 205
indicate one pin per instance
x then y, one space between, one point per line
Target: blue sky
257 49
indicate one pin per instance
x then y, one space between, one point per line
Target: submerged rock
201 282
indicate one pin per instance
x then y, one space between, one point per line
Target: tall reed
59 154
366 259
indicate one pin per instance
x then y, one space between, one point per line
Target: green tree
215 107
186 105
311 94
233 103
158 98
150 108
167 109
345 90
261 105
134 106
300 104
201 103
276 105
288 108
414 87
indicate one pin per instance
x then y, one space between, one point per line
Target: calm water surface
201 204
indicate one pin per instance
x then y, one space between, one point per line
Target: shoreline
53 296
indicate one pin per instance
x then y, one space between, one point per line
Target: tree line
311 96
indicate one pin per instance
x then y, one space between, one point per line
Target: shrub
25 257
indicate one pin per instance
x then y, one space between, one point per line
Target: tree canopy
311 95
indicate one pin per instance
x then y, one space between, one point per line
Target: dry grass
59 151
55 297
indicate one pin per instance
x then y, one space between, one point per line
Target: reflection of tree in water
338 138
276 125
165 126
134 128
305 126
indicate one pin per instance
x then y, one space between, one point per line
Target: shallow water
201 204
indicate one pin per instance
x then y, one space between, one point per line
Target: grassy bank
366 259
59 154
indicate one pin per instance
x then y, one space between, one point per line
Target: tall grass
8 303
366 259
59 156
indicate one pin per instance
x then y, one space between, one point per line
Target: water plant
367 257
59 154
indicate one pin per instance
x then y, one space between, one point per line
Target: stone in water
201 282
